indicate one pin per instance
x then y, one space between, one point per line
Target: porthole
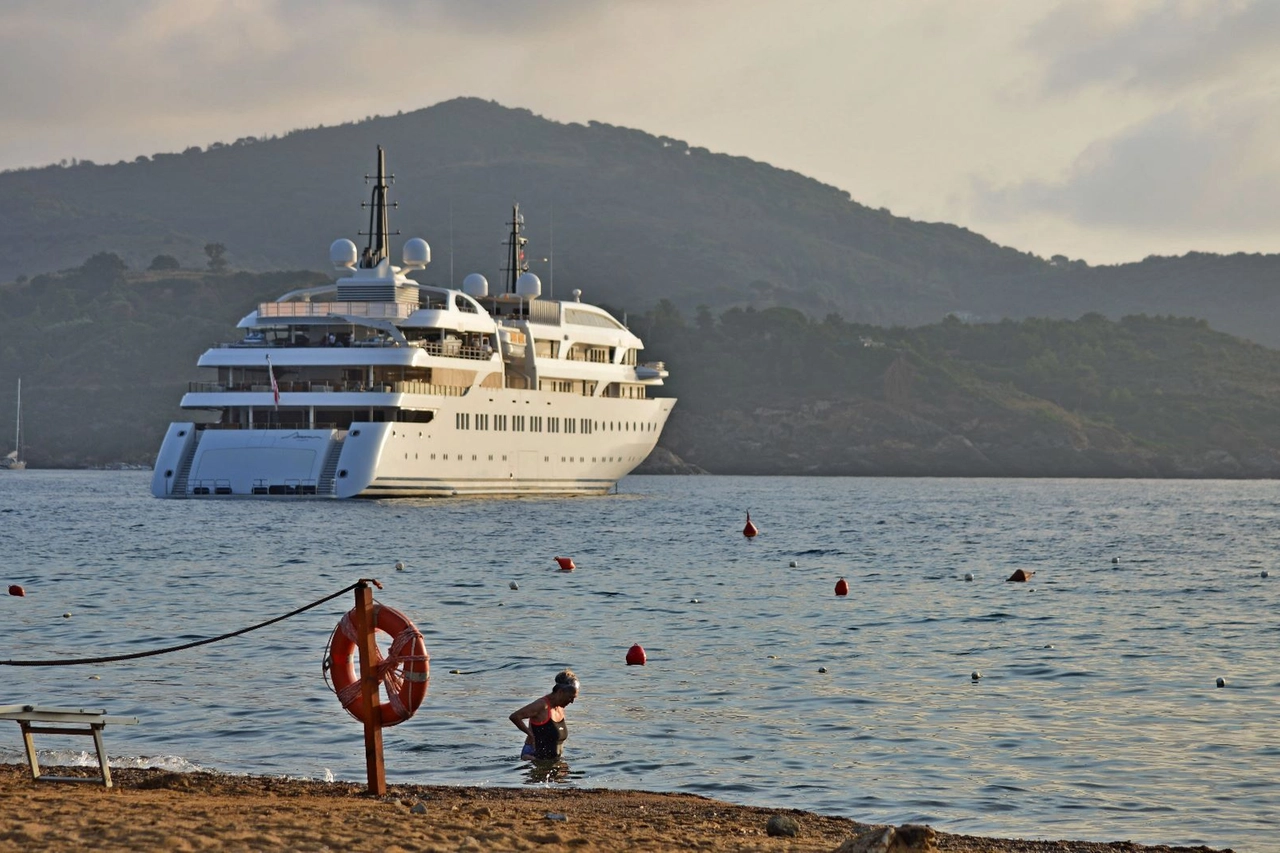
354 433
342 473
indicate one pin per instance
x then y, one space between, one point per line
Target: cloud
1154 45
1197 171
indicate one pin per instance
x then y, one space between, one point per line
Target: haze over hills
636 218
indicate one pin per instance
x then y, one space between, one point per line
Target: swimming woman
545 729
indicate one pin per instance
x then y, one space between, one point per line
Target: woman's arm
528 712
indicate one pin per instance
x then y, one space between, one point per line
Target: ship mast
379 247
516 263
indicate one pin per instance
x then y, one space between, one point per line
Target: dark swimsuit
549 735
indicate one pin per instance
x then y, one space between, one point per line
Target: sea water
1097 714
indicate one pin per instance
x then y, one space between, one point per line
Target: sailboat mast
17 427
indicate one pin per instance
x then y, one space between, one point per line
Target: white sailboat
13 461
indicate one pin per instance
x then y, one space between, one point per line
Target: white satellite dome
475 285
342 254
417 254
529 286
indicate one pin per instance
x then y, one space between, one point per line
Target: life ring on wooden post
405 672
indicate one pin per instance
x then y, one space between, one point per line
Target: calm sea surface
1097 716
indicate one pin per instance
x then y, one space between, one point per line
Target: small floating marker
66 615
1048 645
842 587
636 656
968 576
750 530
95 678
14 589
694 601
514 585
822 669
1222 682
773 657
455 672
1020 576
1264 574
793 564
566 564
1115 561
399 565
975 675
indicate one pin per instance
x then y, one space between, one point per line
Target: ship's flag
275 389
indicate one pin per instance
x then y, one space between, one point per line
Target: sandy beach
158 810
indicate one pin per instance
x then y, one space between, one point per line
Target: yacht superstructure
376 386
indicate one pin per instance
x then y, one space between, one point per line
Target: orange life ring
405 672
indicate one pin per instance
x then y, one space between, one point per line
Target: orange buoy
750 530
1020 576
566 564
405 672
14 589
636 656
842 587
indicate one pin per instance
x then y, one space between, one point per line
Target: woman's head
566 688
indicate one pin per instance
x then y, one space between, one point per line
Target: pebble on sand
419 808
782 825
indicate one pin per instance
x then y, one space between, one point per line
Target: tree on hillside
104 266
215 251
161 263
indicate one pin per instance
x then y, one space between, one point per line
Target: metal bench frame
86 723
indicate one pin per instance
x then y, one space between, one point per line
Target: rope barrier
192 645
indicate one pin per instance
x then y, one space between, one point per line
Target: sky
1102 130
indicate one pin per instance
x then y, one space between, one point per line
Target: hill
105 355
637 218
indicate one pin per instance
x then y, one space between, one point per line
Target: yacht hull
446 457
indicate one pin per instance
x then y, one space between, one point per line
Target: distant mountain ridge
637 218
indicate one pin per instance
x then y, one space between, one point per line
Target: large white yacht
376 386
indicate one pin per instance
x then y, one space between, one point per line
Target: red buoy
14 589
566 564
1020 576
842 587
636 656
750 530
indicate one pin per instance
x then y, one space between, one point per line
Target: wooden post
368 647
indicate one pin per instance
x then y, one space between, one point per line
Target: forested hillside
105 354
636 218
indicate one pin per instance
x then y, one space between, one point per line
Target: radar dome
342 254
529 286
475 286
417 254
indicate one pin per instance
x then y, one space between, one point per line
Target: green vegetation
105 354
773 391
